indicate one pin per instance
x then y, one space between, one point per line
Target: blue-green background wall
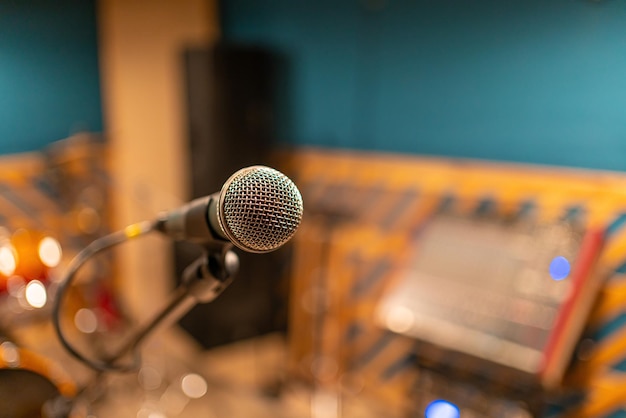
519 80
49 79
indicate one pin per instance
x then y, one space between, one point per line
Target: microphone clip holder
202 282
210 274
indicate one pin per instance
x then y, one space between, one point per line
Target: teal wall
49 80
518 80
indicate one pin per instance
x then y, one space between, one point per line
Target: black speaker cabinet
230 106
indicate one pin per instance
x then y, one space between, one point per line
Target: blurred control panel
514 294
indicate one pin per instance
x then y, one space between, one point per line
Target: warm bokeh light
10 354
149 378
8 260
86 321
150 411
50 252
35 294
325 404
88 220
400 319
194 386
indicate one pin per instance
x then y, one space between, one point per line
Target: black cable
92 249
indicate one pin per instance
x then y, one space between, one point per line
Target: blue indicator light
442 409
559 268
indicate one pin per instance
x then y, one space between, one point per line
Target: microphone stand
203 281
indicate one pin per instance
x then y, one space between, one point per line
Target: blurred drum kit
52 202
28 381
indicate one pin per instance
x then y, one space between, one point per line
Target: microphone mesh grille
260 209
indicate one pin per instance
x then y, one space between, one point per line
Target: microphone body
257 210
192 222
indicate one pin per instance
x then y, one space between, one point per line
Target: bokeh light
194 386
559 268
88 220
442 409
400 319
86 321
150 412
8 260
50 252
149 378
10 354
35 294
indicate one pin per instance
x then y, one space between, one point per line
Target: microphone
258 210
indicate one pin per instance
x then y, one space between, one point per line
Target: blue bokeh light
442 409
559 268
